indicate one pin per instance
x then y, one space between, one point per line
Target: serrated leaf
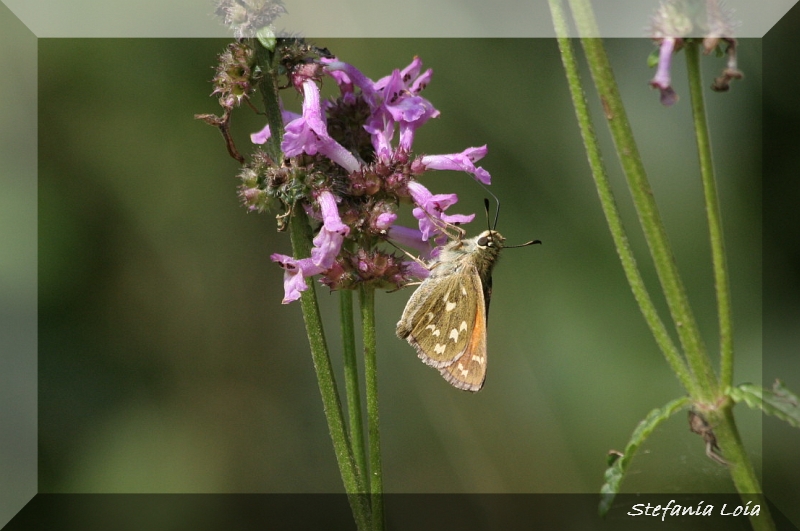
778 402
616 471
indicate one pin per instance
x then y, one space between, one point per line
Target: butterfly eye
484 241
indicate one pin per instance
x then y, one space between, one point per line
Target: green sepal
618 464
652 59
778 402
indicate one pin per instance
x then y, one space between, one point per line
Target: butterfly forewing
441 322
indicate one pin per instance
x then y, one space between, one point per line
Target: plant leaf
779 402
618 462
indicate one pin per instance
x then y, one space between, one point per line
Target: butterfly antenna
523 244
445 227
486 202
486 208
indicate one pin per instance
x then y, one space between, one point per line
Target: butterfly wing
468 372
439 319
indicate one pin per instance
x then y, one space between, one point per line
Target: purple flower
390 105
408 237
401 104
385 220
407 128
463 161
430 209
354 76
309 133
412 238
262 136
381 130
662 79
393 101
327 245
294 275
328 242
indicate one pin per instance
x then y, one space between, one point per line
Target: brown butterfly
445 318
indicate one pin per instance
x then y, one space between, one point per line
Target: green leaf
779 402
618 463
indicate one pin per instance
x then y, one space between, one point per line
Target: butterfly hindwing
468 372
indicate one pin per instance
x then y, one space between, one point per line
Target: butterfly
445 318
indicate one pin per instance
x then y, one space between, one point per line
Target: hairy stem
741 469
300 233
367 303
268 87
646 208
609 205
352 389
721 282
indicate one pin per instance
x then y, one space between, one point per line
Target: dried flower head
247 17
678 21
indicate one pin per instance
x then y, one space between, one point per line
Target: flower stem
268 86
300 233
721 282
741 469
609 205
367 303
646 208
351 381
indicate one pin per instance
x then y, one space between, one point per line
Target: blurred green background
168 364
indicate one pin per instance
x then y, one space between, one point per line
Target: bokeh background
168 364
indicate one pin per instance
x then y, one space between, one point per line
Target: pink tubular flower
309 133
374 171
328 242
393 101
408 128
430 208
354 76
463 161
408 237
295 274
662 80
262 136
385 220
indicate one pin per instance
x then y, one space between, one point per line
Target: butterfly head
489 239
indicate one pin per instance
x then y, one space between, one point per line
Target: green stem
301 237
268 86
610 210
721 281
367 301
300 233
646 208
741 469
351 381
